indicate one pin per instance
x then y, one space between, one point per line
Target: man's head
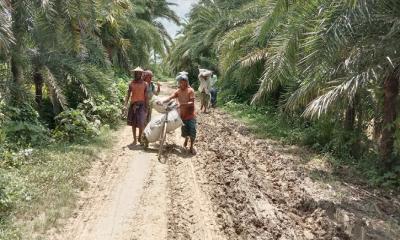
137 73
183 82
147 76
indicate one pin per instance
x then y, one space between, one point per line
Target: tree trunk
356 148
38 81
377 129
16 90
19 29
391 92
353 135
54 101
16 71
350 118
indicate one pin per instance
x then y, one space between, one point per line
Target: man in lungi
137 109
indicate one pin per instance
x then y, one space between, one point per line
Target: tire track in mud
172 205
190 213
257 192
167 202
236 187
260 189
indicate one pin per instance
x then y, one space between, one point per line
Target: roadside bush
122 87
21 126
109 113
88 108
13 189
102 110
5 200
72 125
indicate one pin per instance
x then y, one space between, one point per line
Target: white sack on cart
154 128
158 105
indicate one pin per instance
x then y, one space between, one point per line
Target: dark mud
261 189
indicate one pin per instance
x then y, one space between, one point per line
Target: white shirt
205 85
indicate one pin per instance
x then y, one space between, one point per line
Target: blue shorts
189 129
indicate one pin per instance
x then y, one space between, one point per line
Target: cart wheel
162 141
145 142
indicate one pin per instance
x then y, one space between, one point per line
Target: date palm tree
6 34
336 58
77 43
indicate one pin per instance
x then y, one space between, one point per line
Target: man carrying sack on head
204 88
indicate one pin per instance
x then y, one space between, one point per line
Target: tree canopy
320 59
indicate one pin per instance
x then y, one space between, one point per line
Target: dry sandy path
107 209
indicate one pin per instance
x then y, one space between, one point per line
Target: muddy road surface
236 187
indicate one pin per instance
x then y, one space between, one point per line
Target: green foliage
11 191
323 136
45 183
109 114
49 48
21 126
60 58
122 88
266 122
317 59
102 110
25 133
72 125
5 198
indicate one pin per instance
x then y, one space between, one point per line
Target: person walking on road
185 97
182 73
213 91
204 89
151 91
137 93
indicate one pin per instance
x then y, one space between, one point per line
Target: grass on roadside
265 122
42 186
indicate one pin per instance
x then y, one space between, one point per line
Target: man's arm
146 100
174 95
156 92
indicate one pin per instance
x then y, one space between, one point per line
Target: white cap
138 69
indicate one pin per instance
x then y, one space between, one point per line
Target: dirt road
236 187
132 195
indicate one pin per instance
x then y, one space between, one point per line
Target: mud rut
236 187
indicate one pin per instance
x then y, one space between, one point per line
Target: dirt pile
260 190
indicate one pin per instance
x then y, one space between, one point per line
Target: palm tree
208 21
77 42
6 34
320 56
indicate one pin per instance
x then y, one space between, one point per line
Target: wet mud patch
262 189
